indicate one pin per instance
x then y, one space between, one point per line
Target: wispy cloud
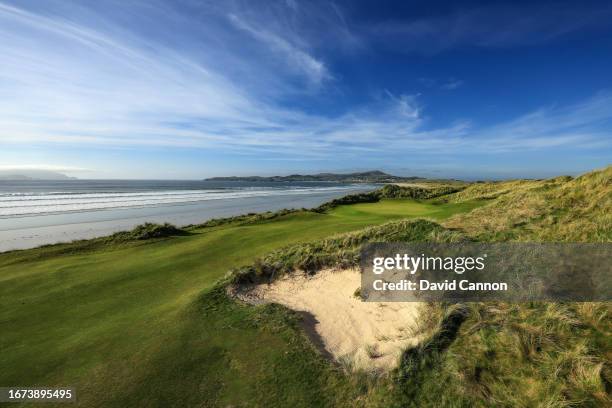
583 125
452 84
449 84
65 81
296 58
494 25
42 167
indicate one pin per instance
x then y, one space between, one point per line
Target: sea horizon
40 212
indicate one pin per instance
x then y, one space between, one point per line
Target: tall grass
341 251
560 209
391 191
490 354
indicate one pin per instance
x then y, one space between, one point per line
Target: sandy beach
32 231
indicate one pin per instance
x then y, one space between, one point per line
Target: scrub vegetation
391 191
143 318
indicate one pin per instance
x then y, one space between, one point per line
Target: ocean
34 213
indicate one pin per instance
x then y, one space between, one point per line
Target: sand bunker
360 335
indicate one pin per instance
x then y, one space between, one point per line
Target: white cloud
297 58
42 167
65 83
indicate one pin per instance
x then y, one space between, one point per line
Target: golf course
305 204
147 322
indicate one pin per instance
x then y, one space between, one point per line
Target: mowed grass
395 209
138 325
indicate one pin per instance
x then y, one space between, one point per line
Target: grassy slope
535 354
559 209
129 325
504 354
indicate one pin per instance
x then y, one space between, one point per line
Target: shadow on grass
139 235
427 355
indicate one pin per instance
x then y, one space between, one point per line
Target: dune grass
561 209
136 324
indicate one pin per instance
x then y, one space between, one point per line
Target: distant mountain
22 175
375 176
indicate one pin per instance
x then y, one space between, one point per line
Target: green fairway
137 325
394 209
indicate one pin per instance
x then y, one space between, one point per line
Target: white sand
362 335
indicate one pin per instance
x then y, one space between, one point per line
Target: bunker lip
356 334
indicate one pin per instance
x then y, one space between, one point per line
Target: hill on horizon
372 176
22 175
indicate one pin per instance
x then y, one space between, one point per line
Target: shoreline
19 233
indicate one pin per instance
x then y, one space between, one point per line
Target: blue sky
190 89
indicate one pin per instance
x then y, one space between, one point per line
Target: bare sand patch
360 335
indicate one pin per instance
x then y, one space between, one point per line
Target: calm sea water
33 213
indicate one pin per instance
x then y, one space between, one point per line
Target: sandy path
364 335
